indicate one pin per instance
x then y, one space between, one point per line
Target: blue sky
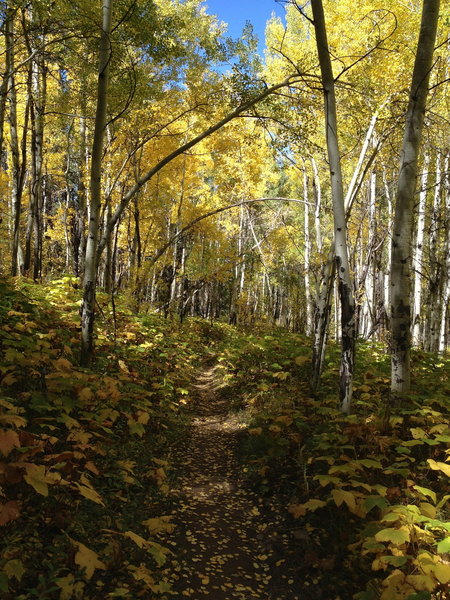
237 12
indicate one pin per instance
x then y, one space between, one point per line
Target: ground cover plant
82 451
368 493
87 461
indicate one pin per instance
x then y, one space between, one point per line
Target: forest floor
228 538
192 460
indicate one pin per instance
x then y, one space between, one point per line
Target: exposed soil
228 542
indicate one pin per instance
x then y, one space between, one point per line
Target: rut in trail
228 543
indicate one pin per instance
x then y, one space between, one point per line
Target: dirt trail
228 541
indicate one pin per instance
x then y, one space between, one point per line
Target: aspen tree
401 271
91 257
340 223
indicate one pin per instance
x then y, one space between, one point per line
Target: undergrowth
367 493
84 468
82 451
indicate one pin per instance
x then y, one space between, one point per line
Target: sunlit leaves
443 546
439 466
397 537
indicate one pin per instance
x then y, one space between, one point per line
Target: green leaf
444 546
397 537
443 501
3 582
326 479
14 568
426 492
372 501
396 561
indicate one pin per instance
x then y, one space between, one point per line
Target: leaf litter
228 541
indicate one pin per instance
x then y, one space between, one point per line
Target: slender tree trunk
92 253
443 341
400 281
387 272
340 225
307 255
6 79
418 255
433 320
14 143
322 318
37 92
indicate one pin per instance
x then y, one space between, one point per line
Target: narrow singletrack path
228 542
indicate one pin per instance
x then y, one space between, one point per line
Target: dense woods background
147 156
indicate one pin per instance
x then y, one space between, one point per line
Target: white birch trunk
92 251
307 255
418 255
446 293
340 225
400 282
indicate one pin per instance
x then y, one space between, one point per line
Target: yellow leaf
205 580
421 582
123 367
159 524
35 476
442 572
143 417
428 510
439 466
66 584
13 420
340 496
137 539
394 536
89 493
88 559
